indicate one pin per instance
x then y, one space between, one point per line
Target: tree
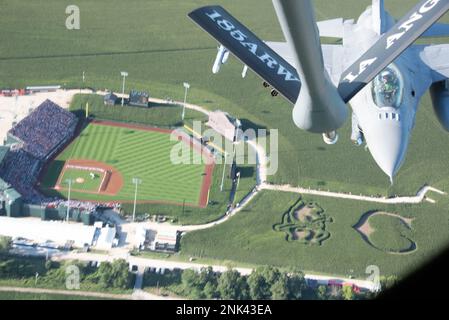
388 282
261 280
104 273
348 293
210 290
296 285
189 279
48 264
208 282
115 274
191 284
321 293
271 274
232 286
279 289
258 288
5 244
120 274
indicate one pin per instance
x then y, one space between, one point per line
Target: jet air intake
439 92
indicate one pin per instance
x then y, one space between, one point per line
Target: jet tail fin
379 16
251 50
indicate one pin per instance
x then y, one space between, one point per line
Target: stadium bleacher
41 134
45 129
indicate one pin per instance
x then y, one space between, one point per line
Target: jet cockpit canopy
387 88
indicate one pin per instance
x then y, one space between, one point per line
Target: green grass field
134 153
160 115
249 237
391 234
159 55
81 180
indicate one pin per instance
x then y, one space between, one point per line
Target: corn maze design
304 223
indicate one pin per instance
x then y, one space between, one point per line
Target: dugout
10 202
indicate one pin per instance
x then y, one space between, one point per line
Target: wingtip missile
221 58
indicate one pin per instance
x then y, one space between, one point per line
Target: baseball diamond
115 153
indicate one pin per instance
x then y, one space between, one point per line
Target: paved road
165 264
420 196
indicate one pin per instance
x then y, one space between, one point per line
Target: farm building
165 240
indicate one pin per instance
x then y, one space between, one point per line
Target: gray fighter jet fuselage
384 110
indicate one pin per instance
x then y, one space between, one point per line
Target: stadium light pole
238 181
136 181
124 75
186 87
69 181
224 170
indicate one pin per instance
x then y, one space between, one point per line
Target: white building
58 232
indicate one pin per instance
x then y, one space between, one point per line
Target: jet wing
247 47
333 28
390 46
332 56
436 57
437 30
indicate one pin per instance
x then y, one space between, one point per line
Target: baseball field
101 163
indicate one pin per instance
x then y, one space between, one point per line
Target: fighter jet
377 69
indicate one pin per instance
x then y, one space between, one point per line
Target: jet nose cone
387 143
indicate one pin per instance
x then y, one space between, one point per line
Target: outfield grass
159 55
135 153
249 237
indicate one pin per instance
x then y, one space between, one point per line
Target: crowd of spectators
20 169
45 129
43 133
81 205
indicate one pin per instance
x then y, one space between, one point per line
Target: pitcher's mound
79 180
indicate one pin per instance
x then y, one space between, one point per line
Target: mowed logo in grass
305 223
